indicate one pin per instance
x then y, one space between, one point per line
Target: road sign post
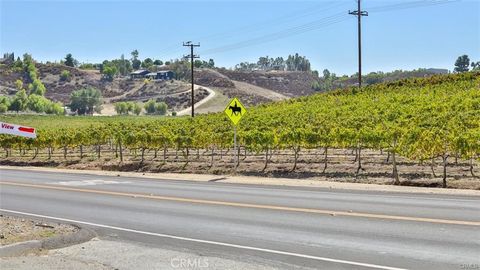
235 111
235 155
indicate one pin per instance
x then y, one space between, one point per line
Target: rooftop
140 71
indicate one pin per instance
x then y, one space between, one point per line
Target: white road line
92 182
368 265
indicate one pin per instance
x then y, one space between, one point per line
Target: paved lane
359 236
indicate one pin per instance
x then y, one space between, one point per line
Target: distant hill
253 87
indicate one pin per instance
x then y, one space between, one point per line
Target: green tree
69 60
19 102
18 85
37 103
86 101
462 64
54 108
109 70
181 69
135 62
326 74
27 59
150 106
135 54
316 86
37 88
18 65
3 108
130 106
147 63
87 66
475 66
121 108
198 63
161 108
211 63
123 65
137 108
158 62
4 104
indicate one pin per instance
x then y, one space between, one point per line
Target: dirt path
216 104
259 91
211 94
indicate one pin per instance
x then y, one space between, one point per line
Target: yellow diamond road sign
235 110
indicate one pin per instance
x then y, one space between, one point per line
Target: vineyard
401 130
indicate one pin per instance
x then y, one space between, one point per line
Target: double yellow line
247 205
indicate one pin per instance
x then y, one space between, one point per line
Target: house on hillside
139 74
166 75
161 75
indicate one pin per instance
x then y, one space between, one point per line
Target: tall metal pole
359 46
359 13
193 93
192 56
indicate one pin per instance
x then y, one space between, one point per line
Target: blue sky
408 36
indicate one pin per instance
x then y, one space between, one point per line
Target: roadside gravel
16 229
117 255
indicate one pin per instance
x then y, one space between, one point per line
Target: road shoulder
255 180
20 235
108 254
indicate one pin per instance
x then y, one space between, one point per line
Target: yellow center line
247 205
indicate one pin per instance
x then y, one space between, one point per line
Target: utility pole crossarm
359 13
192 56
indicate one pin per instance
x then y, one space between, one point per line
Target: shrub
137 108
150 106
86 101
121 108
37 103
161 108
3 108
316 86
54 108
65 75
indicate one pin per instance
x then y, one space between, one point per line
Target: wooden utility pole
359 13
192 57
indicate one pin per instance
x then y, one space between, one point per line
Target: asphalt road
291 228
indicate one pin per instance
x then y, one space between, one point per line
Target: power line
321 23
359 13
282 19
339 17
192 56
255 27
410 5
314 25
